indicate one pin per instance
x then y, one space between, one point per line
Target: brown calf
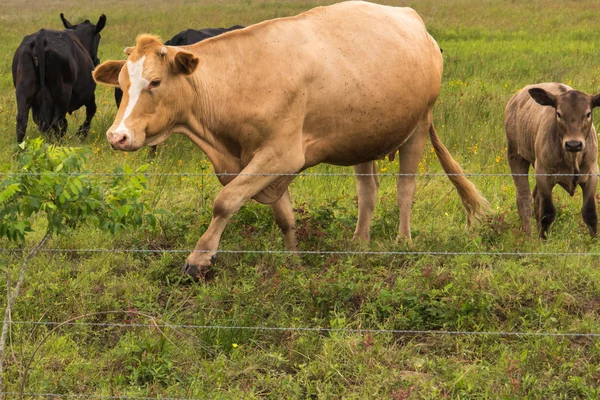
550 126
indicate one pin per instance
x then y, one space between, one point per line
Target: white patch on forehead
137 84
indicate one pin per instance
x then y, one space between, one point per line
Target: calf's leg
588 210
519 168
367 184
544 209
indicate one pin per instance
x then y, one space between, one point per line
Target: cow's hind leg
284 216
588 210
519 167
252 180
367 184
59 126
410 154
90 111
152 152
24 103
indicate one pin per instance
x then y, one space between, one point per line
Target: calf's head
88 34
154 84
573 113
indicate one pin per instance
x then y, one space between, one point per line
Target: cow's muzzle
117 140
573 146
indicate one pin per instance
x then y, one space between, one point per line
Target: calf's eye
154 84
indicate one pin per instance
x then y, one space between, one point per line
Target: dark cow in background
184 38
549 126
191 36
52 75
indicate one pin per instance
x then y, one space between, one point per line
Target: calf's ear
596 100
108 72
542 97
183 62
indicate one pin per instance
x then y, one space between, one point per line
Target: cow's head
154 86
88 34
573 115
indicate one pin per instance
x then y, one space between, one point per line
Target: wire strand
91 396
321 252
314 329
316 174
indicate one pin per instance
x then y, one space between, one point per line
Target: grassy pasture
492 48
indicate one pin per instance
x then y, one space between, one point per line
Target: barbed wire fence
456 333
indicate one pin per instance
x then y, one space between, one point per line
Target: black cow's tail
45 117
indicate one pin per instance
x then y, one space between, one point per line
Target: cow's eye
558 115
154 84
588 115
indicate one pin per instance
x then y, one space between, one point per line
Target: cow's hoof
83 132
199 272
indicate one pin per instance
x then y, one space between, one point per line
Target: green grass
491 50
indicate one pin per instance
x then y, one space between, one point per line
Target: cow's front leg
257 175
90 111
544 209
588 210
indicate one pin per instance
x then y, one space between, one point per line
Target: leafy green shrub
52 181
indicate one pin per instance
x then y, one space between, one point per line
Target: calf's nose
573 146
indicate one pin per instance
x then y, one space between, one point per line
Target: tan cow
345 84
550 126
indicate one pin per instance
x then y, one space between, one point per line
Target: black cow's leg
60 126
588 210
23 106
545 212
90 111
118 97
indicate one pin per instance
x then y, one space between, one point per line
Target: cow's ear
108 72
66 23
543 97
184 63
596 100
101 23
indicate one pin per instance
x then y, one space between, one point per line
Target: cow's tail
40 55
475 204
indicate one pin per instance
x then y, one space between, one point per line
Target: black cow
183 38
190 36
52 75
